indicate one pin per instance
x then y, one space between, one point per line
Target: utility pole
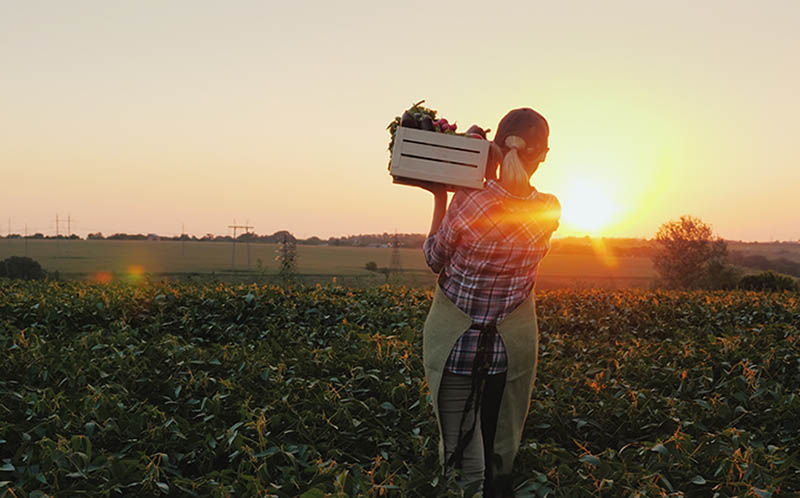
26 240
235 227
183 242
58 239
69 230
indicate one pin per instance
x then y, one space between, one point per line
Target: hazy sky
141 116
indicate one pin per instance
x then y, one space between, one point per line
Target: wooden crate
439 157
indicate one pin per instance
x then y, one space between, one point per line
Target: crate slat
439 157
459 157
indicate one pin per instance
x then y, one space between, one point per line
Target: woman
481 337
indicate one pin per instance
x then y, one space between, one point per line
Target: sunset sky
143 116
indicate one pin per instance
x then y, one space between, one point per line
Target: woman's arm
436 249
439 209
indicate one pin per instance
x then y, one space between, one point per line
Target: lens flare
604 253
135 272
587 205
102 277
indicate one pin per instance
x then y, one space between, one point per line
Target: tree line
405 240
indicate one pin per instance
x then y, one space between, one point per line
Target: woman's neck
518 189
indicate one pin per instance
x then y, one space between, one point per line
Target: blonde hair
512 172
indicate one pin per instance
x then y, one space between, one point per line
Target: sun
587 205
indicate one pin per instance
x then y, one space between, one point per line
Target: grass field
86 259
772 250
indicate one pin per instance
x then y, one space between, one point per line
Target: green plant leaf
660 448
591 459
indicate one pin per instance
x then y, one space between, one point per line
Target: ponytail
512 173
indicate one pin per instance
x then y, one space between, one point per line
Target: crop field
92 259
190 389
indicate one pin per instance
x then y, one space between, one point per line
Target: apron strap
480 372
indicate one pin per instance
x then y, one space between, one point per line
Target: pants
453 393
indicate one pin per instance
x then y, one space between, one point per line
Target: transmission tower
235 227
395 266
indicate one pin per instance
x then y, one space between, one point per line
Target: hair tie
515 142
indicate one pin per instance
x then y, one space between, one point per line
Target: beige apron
520 334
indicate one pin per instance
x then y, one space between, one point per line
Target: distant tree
312 241
287 259
769 281
21 267
95 236
690 256
721 275
383 270
127 236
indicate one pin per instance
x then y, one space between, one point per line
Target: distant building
152 236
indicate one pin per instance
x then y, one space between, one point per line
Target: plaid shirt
488 250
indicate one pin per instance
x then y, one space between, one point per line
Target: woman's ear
532 165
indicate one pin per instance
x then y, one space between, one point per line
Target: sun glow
587 205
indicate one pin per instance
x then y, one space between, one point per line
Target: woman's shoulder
463 196
547 205
546 198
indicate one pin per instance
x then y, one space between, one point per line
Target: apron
444 325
